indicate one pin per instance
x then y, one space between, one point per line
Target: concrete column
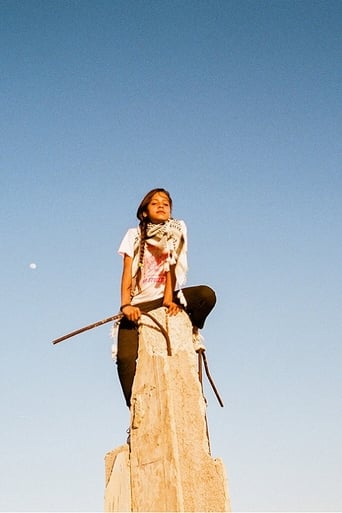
169 462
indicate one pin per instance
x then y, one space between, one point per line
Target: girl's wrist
122 307
167 303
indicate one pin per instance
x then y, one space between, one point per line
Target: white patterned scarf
170 238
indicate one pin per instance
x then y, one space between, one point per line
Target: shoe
128 441
198 342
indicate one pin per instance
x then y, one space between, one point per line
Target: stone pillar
118 486
169 465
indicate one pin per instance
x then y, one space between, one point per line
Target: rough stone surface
169 464
118 489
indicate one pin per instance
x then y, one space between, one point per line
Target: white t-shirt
153 274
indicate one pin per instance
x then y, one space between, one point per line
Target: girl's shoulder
133 231
129 241
131 235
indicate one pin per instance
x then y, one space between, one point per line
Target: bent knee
208 295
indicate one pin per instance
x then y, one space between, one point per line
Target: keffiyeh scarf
170 238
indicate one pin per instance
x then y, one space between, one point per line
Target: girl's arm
170 284
132 312
126 280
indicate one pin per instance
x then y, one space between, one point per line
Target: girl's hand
172 308
132 313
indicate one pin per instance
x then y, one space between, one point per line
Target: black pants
200 301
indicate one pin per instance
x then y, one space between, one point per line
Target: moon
33 266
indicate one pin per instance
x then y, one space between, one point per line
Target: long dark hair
146 200
143 224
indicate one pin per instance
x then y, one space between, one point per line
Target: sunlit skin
157 211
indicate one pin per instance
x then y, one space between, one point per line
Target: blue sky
235 107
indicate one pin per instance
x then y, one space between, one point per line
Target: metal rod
115 318
86 328
211 379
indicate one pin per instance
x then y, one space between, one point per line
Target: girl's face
159 209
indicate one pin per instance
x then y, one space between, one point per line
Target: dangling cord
167 324
211 381
200 376
163 330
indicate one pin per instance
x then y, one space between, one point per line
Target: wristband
124 306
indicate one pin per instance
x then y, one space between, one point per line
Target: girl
154 267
